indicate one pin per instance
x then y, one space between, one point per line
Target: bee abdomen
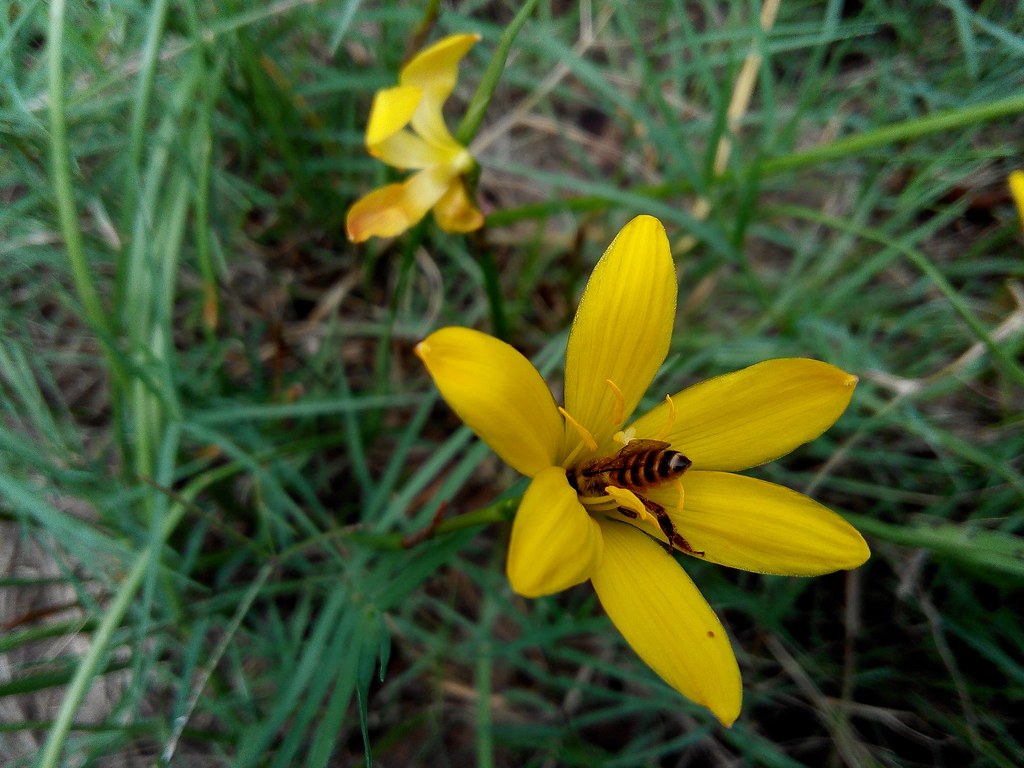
636 471
651 469
671 465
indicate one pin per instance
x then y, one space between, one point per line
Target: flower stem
430 13
839 149
498 512
492 285
63 191
478 104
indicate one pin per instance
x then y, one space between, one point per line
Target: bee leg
632 514
669 528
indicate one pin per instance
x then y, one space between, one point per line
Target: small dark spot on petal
710 633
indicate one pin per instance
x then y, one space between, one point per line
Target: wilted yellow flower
424 84
564 534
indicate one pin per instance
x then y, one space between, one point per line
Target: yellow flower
424 84
1016 182
619 339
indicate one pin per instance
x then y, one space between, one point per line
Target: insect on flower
639 465
608 495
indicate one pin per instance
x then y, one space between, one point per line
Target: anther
619 415
588 438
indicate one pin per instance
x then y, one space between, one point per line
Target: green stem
484 721
478 104
987 550
499 512
890 134
204 162
993 551
214 659
101 639
492 285
464 135
430 14
839 149
147 75
484 687
919 260
60 174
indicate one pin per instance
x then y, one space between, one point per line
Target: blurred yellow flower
424 84
1016 182
564 534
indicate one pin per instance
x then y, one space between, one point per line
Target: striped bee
639 465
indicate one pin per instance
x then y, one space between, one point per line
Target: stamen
574 454
619 415
605 505
671 419
588 438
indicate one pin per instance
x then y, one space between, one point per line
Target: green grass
215 437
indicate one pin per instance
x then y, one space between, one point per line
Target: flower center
587 440
618 483
462 160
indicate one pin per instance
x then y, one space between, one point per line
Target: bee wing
624 457
642 446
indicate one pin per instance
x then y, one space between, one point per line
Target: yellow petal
745 523
393 209
1016 182
429 123
392 110
751 416
455 212
555 543
498 394
665 619
622 329
435 70
408 151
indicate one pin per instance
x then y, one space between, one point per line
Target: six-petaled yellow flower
424 84
619 339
